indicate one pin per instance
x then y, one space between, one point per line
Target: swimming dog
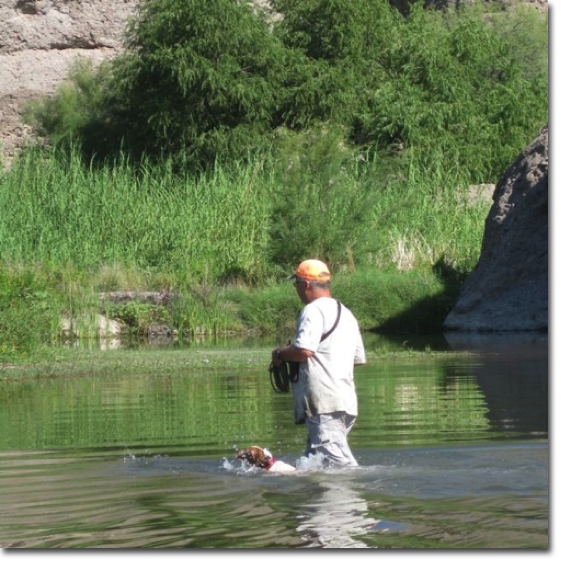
263 458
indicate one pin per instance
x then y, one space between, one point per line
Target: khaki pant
327 435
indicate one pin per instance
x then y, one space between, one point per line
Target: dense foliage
205 80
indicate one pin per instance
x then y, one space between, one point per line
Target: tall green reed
61 210
244 223
425 217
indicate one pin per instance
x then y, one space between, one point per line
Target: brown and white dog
263 458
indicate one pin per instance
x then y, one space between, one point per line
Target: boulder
508 289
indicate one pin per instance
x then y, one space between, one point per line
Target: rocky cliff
508 290
39 41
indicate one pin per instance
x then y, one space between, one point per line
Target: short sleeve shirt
326 380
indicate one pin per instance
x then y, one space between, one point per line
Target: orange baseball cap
312 270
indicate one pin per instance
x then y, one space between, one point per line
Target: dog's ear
257 456
252 455
255 453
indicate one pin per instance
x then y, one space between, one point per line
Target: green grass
387 301
64 211
223 243
244 223
81 362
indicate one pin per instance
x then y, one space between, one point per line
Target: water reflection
334 516
373 341
501 392
512 375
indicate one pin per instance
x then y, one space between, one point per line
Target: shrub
29 311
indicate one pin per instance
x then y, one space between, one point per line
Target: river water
452 451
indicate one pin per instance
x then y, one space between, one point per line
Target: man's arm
290 353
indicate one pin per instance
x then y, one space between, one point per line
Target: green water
453 452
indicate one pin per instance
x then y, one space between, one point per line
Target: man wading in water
327 345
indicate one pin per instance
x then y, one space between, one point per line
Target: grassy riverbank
244 222
222 244
35 302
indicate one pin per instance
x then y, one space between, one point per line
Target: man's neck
318 294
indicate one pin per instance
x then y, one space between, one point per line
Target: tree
200 77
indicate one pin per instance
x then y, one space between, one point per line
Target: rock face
40 40
508 290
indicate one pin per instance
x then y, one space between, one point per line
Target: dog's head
256 455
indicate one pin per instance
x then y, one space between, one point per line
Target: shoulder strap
326 335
